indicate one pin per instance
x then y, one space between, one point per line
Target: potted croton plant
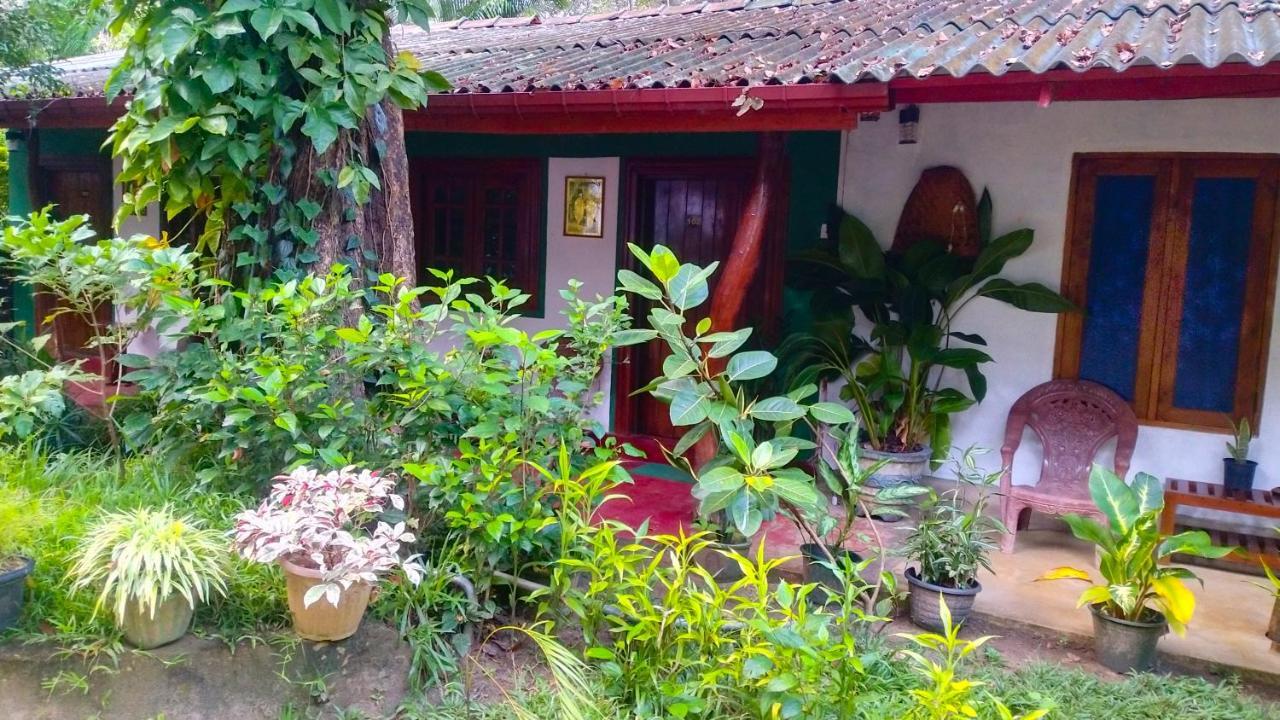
152 567
900 370
952 541
1138 600
324 531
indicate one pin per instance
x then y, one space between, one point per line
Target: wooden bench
1252 549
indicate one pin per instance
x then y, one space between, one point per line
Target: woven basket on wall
942 208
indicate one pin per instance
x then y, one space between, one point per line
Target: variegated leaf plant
1130 550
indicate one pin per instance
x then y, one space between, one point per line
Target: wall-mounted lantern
908 125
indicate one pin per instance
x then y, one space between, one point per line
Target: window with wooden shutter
480 217
1172 258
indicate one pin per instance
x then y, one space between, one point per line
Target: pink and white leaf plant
329 522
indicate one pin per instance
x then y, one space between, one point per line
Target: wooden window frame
1167 253
531 234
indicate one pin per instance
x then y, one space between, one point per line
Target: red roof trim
815 106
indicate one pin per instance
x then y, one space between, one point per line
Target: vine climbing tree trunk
378 234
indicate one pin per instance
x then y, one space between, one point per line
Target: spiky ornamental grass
147 555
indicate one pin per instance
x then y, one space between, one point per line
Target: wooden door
692 207
74 186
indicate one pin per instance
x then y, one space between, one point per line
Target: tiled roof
740 42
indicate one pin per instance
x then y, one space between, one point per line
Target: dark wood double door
74 185
694 208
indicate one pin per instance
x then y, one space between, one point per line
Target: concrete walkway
1232 612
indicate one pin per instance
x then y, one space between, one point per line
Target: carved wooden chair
1073 419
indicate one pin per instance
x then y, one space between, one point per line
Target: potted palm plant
1237 468
151 567
22 514
898 370
325 532
1138 600
952 541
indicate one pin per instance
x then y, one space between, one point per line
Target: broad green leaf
777 409
637 336
720 479
991 260
688 288
633 283
1149 491
663 263
1032 297
858 250
750 365
687 408
831 413
726 343
1114 498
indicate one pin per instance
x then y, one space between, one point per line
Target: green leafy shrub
23 516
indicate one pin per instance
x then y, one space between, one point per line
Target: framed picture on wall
584 206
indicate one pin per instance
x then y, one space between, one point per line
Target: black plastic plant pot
817 569
723 569
1237 475
12 584
926 601
1127 645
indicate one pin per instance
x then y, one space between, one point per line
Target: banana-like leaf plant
898 369
1135 586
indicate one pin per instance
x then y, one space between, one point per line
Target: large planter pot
323 621
1126 645
926 600
1237 475
12 584
899 468
723 569
817 570
170 622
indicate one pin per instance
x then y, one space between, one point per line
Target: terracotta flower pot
323 621
170 622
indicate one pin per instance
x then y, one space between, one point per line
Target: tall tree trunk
384 224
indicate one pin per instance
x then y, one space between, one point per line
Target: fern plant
147 556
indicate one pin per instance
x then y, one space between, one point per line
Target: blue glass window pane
1213 298
1117 278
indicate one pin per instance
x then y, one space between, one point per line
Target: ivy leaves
228 96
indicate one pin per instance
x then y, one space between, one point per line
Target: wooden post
742 265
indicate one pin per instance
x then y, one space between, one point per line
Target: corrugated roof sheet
740 42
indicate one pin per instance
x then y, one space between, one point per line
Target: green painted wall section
814 165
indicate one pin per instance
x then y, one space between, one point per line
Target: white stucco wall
1022 153
589 260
